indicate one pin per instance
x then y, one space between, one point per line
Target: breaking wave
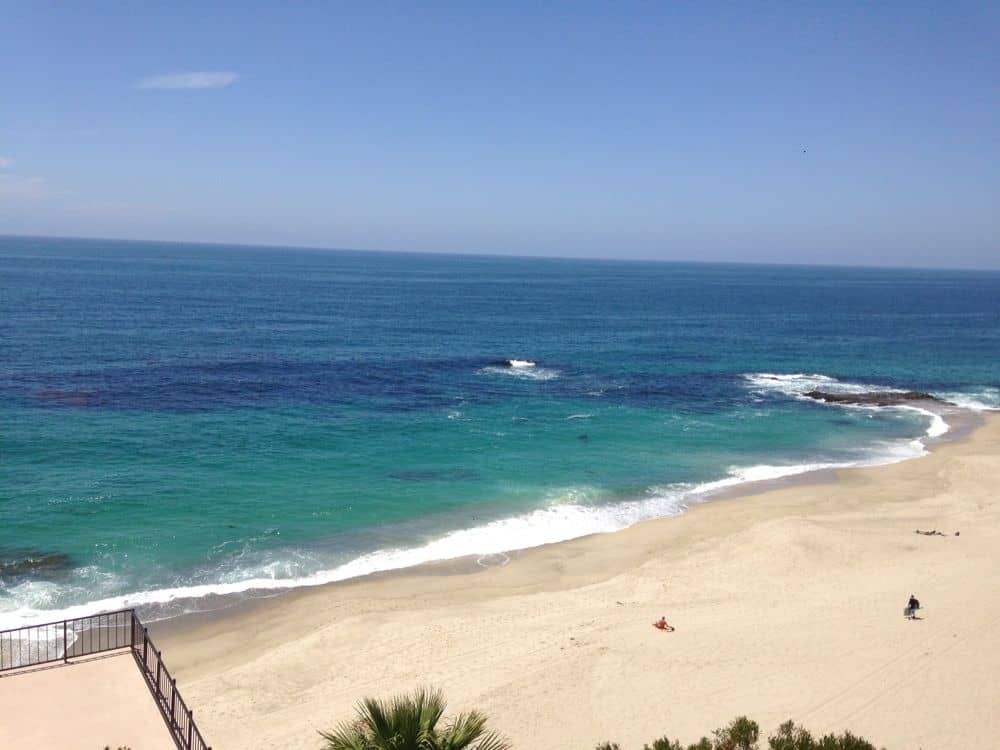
796 385
562 515
981 399
523 369
566 514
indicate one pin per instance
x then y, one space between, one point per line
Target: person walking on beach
911 607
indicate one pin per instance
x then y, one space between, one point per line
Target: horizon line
512 256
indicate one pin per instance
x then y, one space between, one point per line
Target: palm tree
410 722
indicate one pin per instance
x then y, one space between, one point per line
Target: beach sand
787 603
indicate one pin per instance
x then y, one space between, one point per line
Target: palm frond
468 731
410 722
348 736
492 741
378 718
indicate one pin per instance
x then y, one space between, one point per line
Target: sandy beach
787 603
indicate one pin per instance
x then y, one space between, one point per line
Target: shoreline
962 422
161 605
604 588
243 604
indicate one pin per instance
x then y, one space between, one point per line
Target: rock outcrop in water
874 398
34 563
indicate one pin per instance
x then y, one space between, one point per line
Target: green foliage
664 743
410 722
413 722
744 734
846 741
791 737
741 734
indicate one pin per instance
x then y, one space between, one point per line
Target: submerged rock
874 398
445 475
33 563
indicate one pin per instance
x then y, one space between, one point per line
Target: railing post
190 725
159 663
145 647
65 648
173 700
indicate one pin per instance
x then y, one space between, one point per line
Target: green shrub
846 741
741 734
791 737
664 743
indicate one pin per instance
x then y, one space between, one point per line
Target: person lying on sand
933 532
662 624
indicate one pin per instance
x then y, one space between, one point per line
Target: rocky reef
32 563
874 398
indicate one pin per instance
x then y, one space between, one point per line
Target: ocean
179 421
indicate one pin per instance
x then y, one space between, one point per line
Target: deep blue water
181 419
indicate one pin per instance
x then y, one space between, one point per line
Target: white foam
579 416
937 426
798 384
792 377
983 399
532 372
520 363
567 514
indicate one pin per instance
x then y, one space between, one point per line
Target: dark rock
874 398
34 563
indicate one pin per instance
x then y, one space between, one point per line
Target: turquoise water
180 420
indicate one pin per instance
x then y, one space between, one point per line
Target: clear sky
780 132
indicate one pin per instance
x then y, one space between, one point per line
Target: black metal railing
66 639
35 645
179 717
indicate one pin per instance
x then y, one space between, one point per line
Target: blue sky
778 132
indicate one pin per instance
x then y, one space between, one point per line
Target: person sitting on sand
662 624
911 607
